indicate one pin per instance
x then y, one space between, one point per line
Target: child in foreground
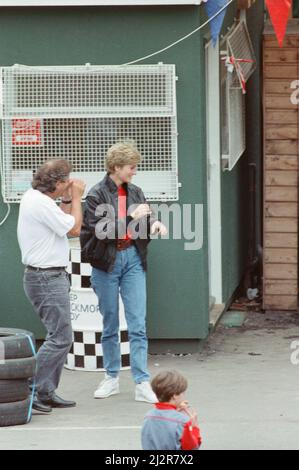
171 424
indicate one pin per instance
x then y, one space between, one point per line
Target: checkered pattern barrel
86 353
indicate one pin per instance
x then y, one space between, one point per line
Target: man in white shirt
42 234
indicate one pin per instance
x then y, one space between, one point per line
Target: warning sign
26 132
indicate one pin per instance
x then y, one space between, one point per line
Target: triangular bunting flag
279 12
212 7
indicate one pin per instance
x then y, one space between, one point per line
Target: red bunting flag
279 12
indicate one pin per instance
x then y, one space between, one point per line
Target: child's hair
167 384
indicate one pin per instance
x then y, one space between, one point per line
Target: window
237 65
232 120
77 113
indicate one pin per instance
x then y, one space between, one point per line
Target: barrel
86 353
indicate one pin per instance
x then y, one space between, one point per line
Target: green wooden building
187 289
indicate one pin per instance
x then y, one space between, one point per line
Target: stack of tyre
17 366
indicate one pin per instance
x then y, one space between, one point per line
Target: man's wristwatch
66 202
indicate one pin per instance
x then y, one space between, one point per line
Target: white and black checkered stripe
79 272
87 354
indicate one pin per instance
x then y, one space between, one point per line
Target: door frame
214 171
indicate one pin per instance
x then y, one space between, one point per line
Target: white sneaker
109 386
144 392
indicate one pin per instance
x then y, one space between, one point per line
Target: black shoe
38 405
57 402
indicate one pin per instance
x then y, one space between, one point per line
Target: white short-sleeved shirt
42 231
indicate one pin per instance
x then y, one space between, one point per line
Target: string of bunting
216 9
279 11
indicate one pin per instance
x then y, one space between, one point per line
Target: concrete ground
242 383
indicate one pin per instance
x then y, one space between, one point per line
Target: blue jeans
129 279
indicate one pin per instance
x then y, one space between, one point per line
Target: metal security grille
240 48
233 130
77 113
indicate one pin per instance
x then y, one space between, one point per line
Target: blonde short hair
120 154
167 384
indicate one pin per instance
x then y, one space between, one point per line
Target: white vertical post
214 170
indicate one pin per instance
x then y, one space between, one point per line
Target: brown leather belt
124 244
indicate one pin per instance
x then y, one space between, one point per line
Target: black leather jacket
100 227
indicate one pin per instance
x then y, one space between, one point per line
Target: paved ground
243 384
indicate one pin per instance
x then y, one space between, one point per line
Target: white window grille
233 131
240 48
77 113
